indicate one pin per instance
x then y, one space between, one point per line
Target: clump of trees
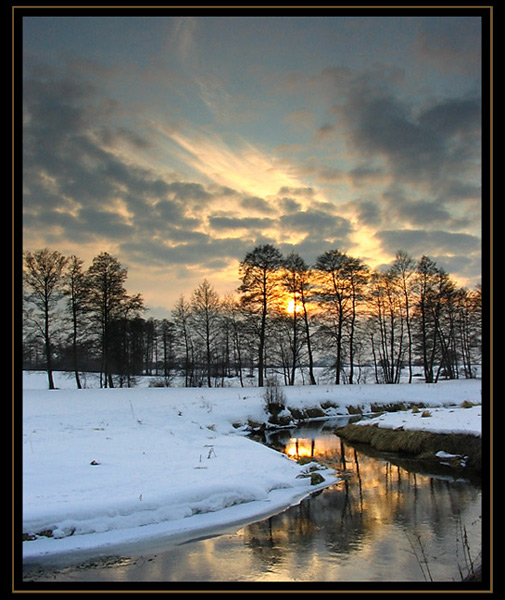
81 319
286 318
410 314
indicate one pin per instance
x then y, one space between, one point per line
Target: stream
388 520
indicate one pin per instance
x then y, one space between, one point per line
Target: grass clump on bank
422 444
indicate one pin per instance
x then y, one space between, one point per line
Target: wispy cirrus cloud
241 166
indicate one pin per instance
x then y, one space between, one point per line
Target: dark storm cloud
422 158
454 116
189 192
424 213
414 162
396 203
169 212
363 175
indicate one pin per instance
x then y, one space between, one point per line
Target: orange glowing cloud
244 167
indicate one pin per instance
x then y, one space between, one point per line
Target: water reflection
382 522
383 512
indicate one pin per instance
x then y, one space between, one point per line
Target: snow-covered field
102 468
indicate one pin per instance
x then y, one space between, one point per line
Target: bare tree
184 340
77 291
206 318
126 339
469 323
233 314
435 295
296 282
387 326
42 277
357 276
259 275
333 293
403 268
168 348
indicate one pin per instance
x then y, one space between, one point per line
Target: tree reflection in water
381 515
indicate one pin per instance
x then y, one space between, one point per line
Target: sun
293 306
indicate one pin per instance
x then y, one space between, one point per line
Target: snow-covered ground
102 468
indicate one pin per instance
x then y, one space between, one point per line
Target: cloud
389 133
424 148
220 223
324 133
300 119
368 212
454 117
458 253
183 40
241 165
257 204
421 241
450 44
114 138
296 191
397 205
366 175
384 126
319 224
289 205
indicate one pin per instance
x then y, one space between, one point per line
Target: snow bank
435 420
103 468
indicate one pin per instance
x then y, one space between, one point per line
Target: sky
179 144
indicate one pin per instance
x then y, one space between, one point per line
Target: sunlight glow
290 308
298 448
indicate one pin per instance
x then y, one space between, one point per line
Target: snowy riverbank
102 468
459 420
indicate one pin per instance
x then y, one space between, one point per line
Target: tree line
286 317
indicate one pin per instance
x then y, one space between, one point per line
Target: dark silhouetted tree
260 287
76 289
109 304
42 278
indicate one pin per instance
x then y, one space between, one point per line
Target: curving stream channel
387 521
